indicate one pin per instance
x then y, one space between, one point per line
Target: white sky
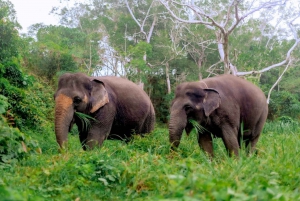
30 12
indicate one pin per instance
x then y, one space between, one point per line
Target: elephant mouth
198 127
84 120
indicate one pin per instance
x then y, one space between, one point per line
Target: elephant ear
211 101
99 96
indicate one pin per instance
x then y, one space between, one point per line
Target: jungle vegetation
156 44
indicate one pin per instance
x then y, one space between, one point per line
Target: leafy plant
284 103
145 169
106 173
11 71
3 104
85 120
14 145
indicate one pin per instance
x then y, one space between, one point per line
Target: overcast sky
38 11
35 11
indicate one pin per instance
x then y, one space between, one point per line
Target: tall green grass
146 169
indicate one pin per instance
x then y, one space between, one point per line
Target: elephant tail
149 121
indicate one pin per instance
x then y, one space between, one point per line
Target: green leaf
85 120
110 177
104 181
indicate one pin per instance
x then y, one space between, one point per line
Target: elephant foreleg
82 138
97 134
205 142
82 134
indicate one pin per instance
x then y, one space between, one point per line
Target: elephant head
191 102
76 93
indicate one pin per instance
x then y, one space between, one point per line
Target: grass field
145 169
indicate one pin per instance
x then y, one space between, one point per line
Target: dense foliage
101 38
145 169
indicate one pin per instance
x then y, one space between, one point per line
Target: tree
81 18
54 49
223 18
147 21
9 35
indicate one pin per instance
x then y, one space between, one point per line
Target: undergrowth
146 169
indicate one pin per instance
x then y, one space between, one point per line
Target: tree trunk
200 67
168 78
226 54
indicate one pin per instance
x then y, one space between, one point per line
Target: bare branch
151 29
278 80
236 11
131 13
212 66
182 20
213 22
229 10
223 33
274 65
262 6
133 17
288 55
147 14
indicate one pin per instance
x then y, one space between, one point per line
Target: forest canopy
158 44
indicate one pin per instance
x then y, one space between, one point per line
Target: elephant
224 106
119 109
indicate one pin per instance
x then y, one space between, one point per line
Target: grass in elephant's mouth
85 120
197 126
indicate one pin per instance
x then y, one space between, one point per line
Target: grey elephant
119 107
225 106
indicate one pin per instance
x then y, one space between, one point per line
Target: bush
11 71
284 103
19 110
14 145
10 194
50 63
28 106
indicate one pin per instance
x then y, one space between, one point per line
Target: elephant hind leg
148 124
251 144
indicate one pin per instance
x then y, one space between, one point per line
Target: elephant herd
225 106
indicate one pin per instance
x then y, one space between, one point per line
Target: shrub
28 106
284 103
14 145
11 71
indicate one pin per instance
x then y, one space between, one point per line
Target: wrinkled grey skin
120 107
226 106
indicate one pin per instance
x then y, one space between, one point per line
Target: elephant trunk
178 121
64 113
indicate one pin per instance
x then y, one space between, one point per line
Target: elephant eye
77 100
188 108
